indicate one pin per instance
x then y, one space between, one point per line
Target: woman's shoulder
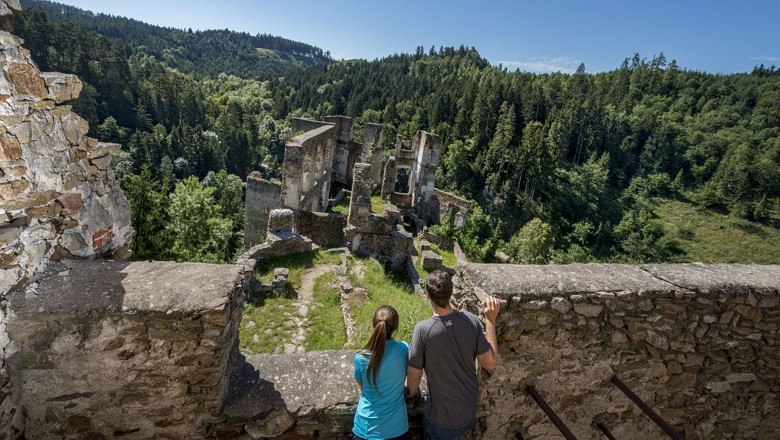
362 356
400 345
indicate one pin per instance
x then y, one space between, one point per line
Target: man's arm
413 377
489 359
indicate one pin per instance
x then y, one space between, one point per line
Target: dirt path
305 297
307 280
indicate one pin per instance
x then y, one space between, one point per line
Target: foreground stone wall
58 195
138 350
699 343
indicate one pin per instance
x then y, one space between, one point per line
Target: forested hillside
203 53
562 167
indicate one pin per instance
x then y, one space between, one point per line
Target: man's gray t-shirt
446 348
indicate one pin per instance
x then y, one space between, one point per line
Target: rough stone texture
314 389
347 152
62 87
277 244
360 202
445 204
57 192
421 160
261 197
152 341
431 261
324 229
428 147
280 220
373 151
308 165
692 340
389 179
58 195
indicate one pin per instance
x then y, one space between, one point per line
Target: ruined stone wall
428 147
58 195
445 203
261 197
347 151
324 229
302 125
138 350
699 343
307 169
373 150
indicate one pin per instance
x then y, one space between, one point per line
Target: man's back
446 347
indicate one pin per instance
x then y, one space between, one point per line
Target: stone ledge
116 286
507 280
300 383
544 281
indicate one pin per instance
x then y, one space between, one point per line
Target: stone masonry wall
307 169
58 195
261 197
324 229
137 350
699 343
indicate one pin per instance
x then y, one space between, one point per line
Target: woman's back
381 411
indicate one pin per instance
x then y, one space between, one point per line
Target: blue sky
543 35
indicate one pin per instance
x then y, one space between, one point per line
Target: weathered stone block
281 220
62 87
560 305
431 261
587 309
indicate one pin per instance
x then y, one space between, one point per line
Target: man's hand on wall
490 307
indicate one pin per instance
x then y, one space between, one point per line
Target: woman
380 370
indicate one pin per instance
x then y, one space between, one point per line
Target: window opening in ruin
402 185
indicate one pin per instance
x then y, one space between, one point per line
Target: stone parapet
106 349
699 343
298 396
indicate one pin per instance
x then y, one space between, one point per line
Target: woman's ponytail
385 323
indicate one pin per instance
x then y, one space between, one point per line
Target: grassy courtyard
272 320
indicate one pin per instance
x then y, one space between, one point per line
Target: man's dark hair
439 288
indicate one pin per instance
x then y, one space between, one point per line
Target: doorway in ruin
403 180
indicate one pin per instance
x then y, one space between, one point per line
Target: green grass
326 330
272 324
385 287
342 207
377 205
271 313
297 263
711 237
448 257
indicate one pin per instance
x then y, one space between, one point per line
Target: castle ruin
96 348
323 162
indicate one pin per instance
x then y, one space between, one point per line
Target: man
445 346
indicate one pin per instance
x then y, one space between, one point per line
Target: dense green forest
204 53
562 167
